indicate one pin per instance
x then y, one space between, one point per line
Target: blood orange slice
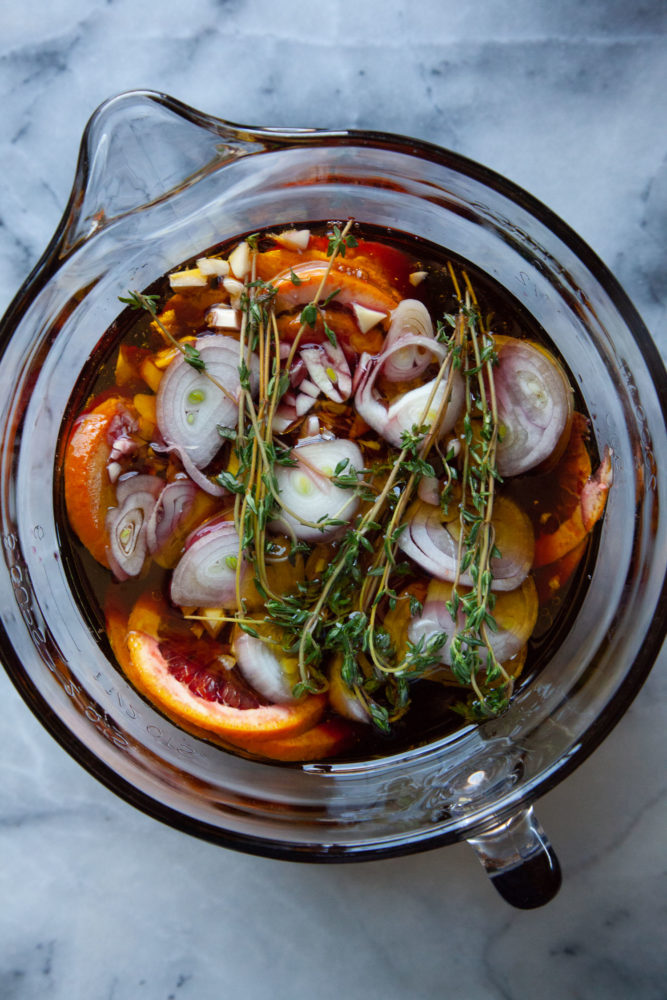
210 697
188 679
326 739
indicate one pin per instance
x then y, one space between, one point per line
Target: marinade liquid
321 493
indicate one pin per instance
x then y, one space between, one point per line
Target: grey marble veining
99 901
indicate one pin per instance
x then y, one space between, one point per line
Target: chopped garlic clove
213 266
223 318
239 260
293 239
235 289
417 277
312 426
367 318
191 278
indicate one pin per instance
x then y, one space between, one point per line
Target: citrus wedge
88 489
188 680
201 695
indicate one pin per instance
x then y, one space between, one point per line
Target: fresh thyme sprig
473 660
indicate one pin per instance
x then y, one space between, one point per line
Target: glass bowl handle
519 860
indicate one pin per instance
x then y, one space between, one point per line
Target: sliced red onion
408 410
307 490
189 407
205 575
534 404
126 524
329 370
409 318
433 547
264 669
518 608
172 505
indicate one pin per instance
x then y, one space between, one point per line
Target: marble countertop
99 901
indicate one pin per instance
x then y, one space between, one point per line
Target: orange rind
89 491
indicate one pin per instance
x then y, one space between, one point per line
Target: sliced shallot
410 317
190 407
343 700
515 613
534 401
206 572
409 410
171 506
126 524
308 493
266 668
434 546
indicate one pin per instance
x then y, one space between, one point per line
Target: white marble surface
98 901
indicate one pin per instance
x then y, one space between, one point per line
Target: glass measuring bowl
156 183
